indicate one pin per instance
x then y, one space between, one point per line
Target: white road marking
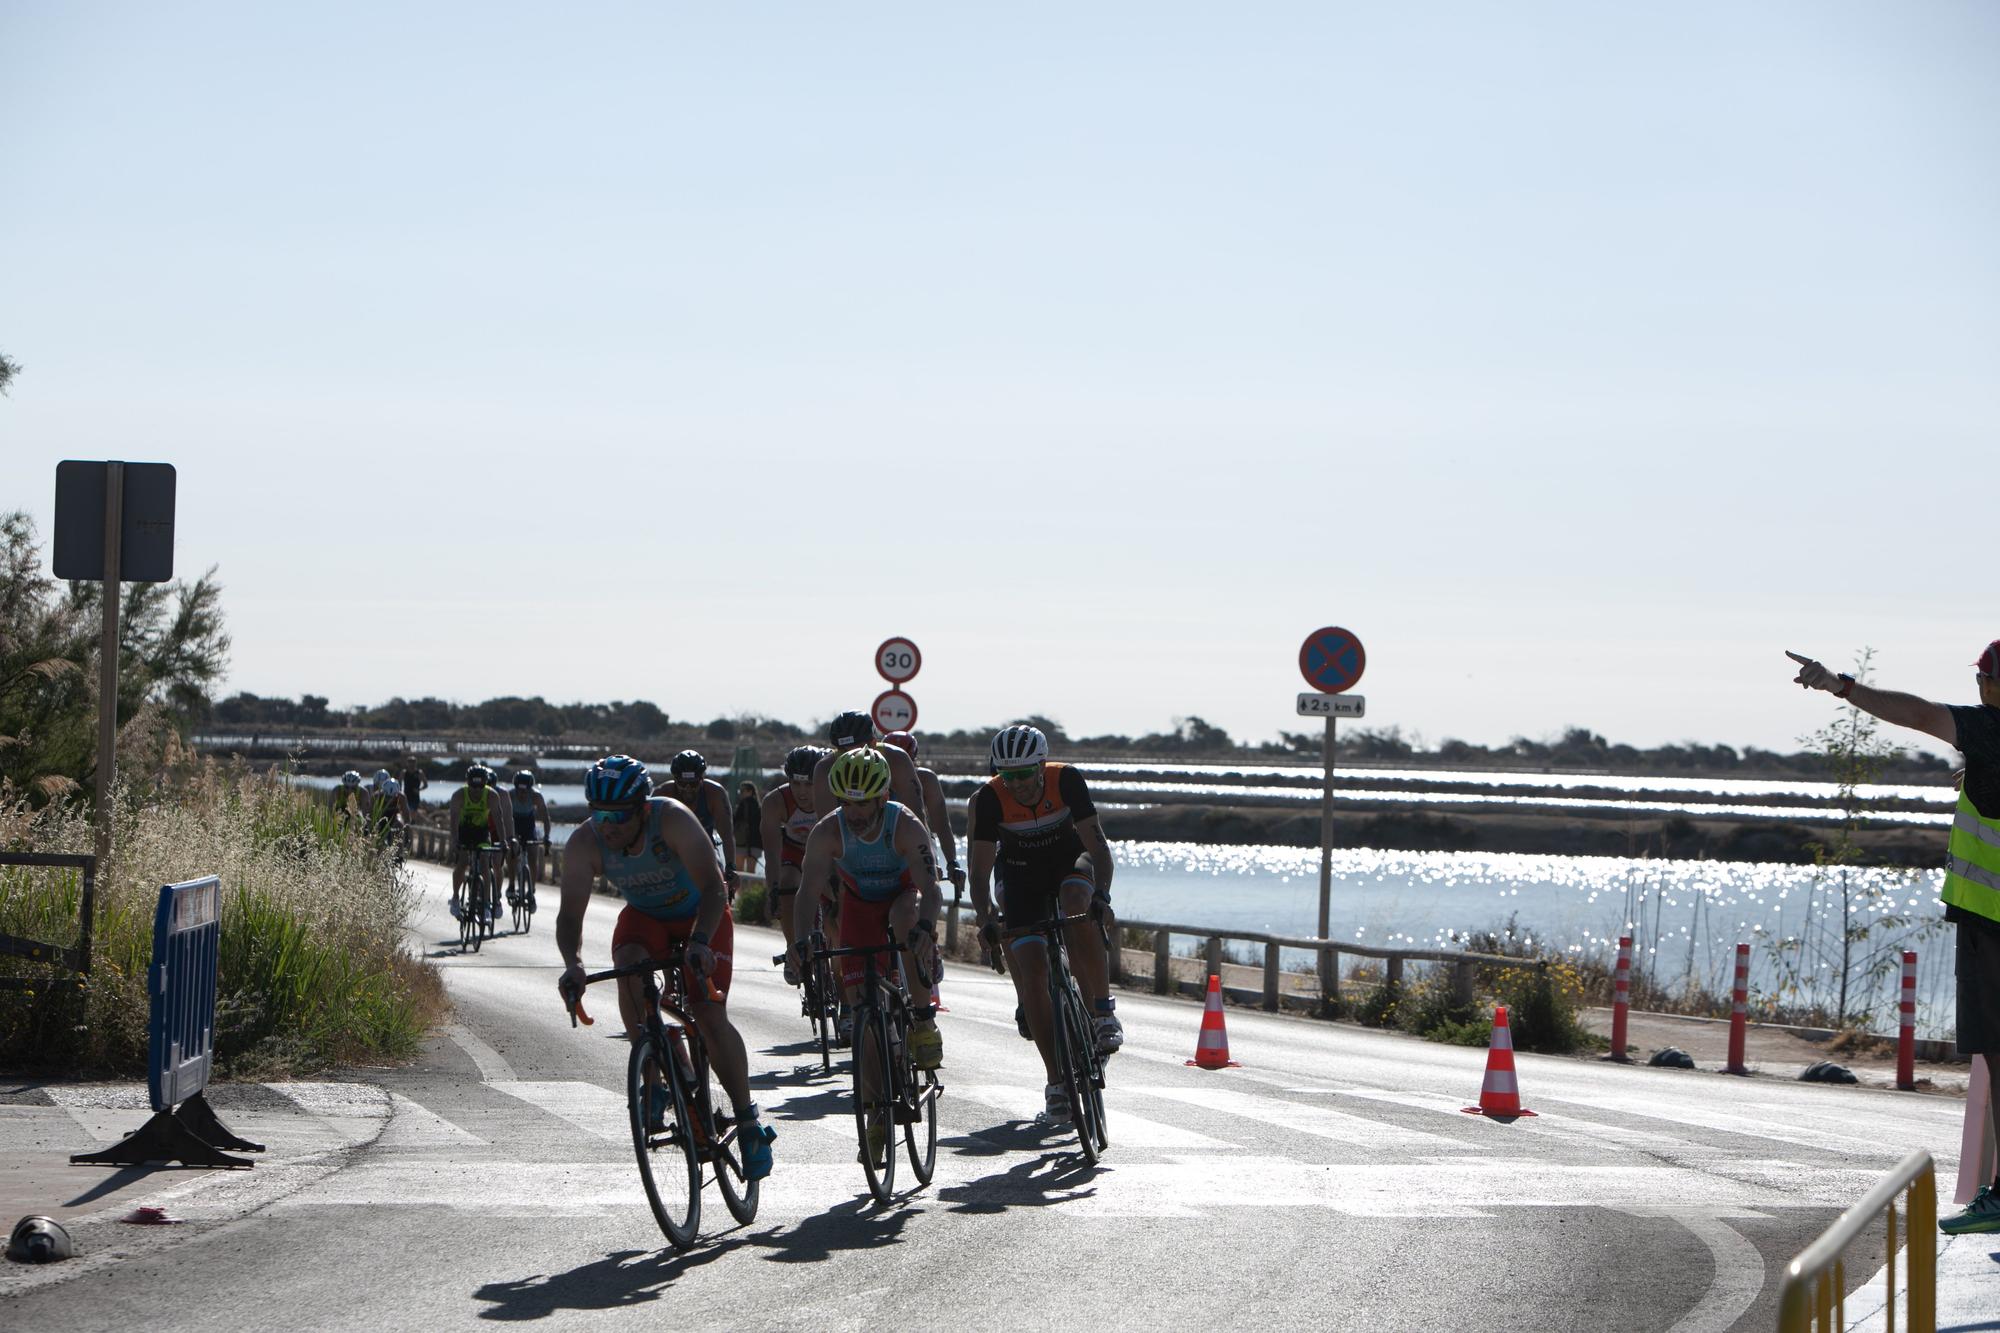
414 1126
1354 1130
493 1067
1126 1130
1739 1274
596 1111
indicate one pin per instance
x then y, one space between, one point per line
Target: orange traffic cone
1499 1095
1211 1049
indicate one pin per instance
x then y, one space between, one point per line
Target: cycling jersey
797 827
874 871
1039 843
475 811
653 881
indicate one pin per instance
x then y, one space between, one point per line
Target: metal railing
1814 1290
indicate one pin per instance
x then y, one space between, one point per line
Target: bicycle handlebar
678 958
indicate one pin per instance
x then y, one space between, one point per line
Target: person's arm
771 819
454 806
1099 848
821 844
823 785
689 841
725 826
914 844
542 810
903 784
1892 706
579 878
939 818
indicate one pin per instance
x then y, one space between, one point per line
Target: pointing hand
1813 676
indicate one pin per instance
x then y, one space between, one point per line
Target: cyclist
877 851
476 815
388 812
1036 819
936 816
347 804
849 731
529 806
788 816
710 803
653 851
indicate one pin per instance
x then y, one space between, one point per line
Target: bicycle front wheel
1073 1056
873 1113
819 985
920 1134
669 1162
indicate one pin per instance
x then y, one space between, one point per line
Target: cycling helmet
860 774
350 779
851 729
381 776
525 780
802 760
40 1240
476 775
617 779
392 788
686 762
1019 746
903 741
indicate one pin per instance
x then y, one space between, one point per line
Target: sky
1579 359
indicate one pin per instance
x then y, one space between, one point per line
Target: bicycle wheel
871 1046
1070 1060
669 1162
1089 1072
468 928
475 907
739 1192
819 985
920 1134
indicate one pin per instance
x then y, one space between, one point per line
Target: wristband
698 937
1842 692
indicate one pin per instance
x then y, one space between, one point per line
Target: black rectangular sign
146 541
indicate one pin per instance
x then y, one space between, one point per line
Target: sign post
896 661
96 504
1331 660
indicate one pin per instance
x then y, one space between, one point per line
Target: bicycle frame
1070 1028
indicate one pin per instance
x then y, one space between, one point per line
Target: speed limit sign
897 660
894 711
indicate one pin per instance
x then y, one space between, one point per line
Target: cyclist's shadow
855 1225
1054 1176
830 1103
621 1279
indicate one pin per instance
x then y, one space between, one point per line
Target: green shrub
1542 1004
1431 1009
752 905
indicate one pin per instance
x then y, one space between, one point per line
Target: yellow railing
1816 1282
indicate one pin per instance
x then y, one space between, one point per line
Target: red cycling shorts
658 938
863 923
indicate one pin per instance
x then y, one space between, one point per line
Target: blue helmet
617 779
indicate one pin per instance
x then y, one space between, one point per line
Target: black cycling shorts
1034 897
471 836
1979 987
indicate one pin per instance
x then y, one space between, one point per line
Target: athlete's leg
1027 960
1087 956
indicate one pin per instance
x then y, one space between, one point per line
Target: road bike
1075 1042
523 896
819 1001
678 1136
903 1094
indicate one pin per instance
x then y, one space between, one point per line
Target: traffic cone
1499 1095
1211 1049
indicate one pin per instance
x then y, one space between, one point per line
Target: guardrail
1813 1292
187 937
76 958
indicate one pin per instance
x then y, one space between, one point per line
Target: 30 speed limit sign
897 660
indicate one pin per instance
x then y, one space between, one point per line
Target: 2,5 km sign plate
1332 705
1332 660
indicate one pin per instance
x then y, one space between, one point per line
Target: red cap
1989 661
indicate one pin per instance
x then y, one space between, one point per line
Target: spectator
749 828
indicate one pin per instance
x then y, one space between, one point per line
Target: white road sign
897 660
895 711
1332 705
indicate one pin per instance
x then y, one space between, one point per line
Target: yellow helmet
860 774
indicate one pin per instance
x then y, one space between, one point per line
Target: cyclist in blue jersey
652 850
529 807
880 855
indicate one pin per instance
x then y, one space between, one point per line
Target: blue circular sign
1331 660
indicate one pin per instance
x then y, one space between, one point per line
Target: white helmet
1019 746
392 788
381 776
350 779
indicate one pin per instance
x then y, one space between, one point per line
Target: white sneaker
456 910
1110 1034
1055 1105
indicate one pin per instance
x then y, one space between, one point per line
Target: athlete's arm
689 841
939 818
579 876
542 809
823 783
457 806
821 844
771 817
725 823
1099 848
979 850
903 784
914 845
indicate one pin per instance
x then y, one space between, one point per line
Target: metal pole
107 655
1329 986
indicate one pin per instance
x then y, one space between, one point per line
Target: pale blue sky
1579 357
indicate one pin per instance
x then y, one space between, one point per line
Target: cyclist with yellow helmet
880 855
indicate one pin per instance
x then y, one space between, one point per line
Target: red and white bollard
1906 1037
1739 1011
1621 998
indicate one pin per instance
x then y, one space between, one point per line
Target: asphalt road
1332 1181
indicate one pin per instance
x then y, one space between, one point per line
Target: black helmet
802 760
687 761
851 729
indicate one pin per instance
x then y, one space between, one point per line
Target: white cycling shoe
1055 1105
1110 1034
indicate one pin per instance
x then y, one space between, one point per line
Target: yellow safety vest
1972 865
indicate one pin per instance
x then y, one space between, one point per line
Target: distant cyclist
936 815
654 853
529 806
788 816
1036 819
388 812
878 853
851 730
475 813
709 800
348 804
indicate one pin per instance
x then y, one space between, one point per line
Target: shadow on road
118 1180
854 1225
619 1280
1038 1182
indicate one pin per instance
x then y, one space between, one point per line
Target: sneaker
926 1046
843 1031
457 910
659 1098
1055 1105
756 1141
1982 1214
1021 1023
531 902
1110 1034
878 1138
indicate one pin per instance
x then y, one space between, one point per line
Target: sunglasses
621 815
1020 774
